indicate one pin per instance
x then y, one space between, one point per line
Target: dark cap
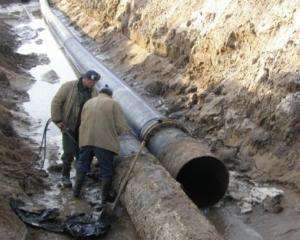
93 75
107 90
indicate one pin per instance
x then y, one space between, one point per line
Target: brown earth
242 105
229 70
19 177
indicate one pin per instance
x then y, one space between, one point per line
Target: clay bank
211 86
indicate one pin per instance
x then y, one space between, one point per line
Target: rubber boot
66 182
103 207
105 189
104 193
79 180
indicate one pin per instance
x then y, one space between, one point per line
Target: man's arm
57 104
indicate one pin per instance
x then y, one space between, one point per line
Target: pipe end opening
204 179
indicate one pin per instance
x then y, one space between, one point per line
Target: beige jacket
102 122
65 99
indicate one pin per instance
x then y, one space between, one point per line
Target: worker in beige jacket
102 122
66 107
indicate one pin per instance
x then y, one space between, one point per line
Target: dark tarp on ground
77 225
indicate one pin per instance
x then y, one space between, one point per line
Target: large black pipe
202 175
155 202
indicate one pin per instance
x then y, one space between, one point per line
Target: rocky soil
18 174
229 70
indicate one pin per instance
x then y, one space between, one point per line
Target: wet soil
142 71
19 176
32 68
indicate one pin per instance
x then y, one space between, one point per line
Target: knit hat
93 75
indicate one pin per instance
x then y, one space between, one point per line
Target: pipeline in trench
190 162
231 225
162 195
38 109
36 38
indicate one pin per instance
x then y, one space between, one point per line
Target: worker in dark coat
65 113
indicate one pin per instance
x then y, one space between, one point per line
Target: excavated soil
227 70
18 174
27 85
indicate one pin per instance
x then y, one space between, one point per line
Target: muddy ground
158 81
23 113
19 176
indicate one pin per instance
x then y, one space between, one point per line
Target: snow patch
249 193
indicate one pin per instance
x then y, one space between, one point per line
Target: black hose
43 145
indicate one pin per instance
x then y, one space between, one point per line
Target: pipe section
157 206
202 175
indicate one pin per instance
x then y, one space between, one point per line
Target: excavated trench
232 216
179 153
47 78
226 219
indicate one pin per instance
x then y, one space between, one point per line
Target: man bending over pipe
65 113
102 122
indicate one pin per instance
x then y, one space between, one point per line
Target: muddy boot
104 193
106 185
80 176
66 182
103 207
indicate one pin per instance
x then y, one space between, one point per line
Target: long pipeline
203 177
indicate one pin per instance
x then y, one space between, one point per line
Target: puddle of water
38 108
42 92
17 11
36 38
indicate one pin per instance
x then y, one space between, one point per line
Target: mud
238 133
26 90
19 177
170 84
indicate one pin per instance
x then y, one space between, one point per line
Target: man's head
90 78
106 90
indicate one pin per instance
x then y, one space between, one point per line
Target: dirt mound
18 174
15 162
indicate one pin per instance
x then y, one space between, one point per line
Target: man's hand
61 126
